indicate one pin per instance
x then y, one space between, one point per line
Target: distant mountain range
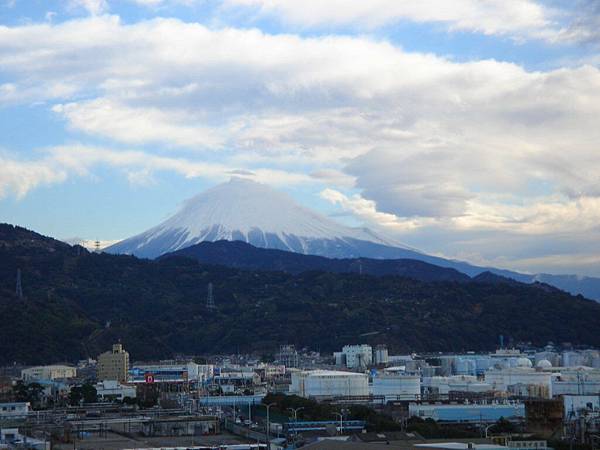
243 210
77 303
241 255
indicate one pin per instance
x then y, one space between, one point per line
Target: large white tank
328 383
397 387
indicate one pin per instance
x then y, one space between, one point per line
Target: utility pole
268 406
341 421
295 411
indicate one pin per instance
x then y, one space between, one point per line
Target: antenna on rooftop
210 301
19 288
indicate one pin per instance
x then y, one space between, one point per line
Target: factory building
288 356
327 383
442 386
579 381
396 386
171 372
53 372
113 365
572 359
528 381
111 390
381 355
472 412
354 356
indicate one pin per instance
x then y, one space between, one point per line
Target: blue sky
467 129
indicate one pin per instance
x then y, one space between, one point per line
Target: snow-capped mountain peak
248 211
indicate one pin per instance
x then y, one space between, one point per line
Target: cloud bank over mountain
479 158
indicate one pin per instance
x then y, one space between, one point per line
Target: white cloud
424 141
516 18
19 177
93 7
137 125
367 210
57 164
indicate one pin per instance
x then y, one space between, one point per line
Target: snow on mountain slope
255 213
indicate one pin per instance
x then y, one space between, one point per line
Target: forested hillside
77 303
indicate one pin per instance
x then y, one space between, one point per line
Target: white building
52 372
572 359
472 412
357 356
576 381
396 386
329 383
14 410
524 377
110 390
172 372
456 383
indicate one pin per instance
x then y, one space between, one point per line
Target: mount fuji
244 210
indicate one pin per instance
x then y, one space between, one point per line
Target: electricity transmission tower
210 301
19 289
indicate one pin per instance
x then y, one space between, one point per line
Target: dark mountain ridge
77 303
241 255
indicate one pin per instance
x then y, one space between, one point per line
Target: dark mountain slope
241 255
158 308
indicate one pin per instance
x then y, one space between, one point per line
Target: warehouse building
328 383
396 386
468 413
53 372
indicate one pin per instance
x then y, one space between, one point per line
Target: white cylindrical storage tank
397 387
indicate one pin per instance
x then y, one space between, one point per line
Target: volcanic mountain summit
244 210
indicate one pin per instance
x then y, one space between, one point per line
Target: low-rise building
503 379
171 372
472 412
442 386
14 410
52 372
396 386
329 383
111 390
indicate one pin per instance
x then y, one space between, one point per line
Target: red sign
149 378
